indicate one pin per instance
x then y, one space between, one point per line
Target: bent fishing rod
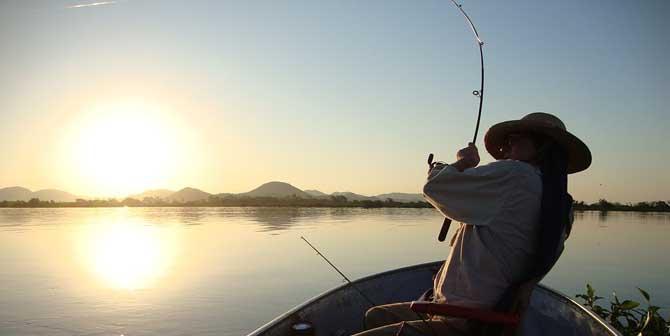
479 94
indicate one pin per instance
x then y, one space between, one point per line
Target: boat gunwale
325 294
561 296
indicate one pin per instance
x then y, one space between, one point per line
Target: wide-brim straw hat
579 155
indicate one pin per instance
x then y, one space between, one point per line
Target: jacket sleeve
474 196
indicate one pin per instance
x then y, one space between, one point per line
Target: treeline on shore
216 201
604 205
292 201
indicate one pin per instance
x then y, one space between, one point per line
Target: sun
123 148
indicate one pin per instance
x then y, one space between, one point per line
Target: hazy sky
345 95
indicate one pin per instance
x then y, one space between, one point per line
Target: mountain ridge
188 194
18 193
353 196
156 193
276 189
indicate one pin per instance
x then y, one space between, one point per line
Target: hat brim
579 155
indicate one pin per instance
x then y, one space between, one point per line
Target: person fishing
505 209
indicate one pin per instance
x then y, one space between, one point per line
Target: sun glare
125 148
128 255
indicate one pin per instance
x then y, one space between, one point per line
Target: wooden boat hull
341 311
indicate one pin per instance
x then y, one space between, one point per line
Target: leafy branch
627 316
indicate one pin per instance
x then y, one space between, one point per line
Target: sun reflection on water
129 254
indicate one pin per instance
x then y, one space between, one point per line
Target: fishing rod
365 296
479 94
338 271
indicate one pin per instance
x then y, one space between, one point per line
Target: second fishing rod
367 298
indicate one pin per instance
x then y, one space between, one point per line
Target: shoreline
251 204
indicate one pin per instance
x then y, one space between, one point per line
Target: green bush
627 316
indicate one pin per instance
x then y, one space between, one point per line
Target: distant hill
354 197
188 195
402 197
23 194
54 195
276 189
316 193
157 193
15 194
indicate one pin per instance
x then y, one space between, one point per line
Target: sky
123 96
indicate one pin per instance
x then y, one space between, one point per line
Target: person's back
495 244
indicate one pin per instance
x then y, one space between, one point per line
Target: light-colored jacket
498 205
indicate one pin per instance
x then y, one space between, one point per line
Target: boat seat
482 315
503 319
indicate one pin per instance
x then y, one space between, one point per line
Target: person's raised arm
467 193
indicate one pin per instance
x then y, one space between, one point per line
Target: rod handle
445 228
447 222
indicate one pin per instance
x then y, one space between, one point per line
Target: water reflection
128 254
143 271
277 219
193 216
15 219
602 215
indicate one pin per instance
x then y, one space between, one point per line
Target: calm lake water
227 271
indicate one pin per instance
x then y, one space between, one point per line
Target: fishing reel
431 163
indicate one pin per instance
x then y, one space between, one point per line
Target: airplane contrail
100 3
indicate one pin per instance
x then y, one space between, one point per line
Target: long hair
555 206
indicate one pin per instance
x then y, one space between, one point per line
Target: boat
341 311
